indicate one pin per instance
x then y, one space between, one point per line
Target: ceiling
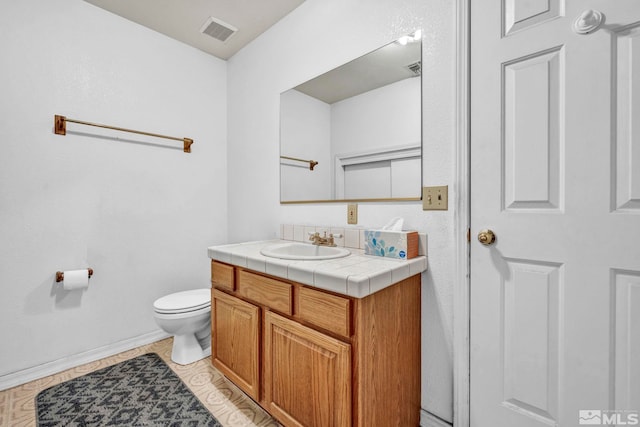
381 67
183 19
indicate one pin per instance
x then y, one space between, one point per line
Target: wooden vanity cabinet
312 358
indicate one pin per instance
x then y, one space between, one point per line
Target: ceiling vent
416 68
218 29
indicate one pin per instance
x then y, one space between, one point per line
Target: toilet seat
183 302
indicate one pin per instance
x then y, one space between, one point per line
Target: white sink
303 251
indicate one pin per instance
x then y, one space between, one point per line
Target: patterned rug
139 392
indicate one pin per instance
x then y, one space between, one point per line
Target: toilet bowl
187 316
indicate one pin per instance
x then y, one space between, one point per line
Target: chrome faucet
316 239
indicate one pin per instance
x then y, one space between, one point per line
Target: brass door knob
486 237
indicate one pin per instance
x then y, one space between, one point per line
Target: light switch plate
435 198
352 213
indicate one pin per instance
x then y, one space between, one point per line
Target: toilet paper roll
75 279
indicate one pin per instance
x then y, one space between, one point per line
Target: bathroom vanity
319 343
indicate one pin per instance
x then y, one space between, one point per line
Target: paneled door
555 175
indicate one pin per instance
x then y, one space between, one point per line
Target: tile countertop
356 275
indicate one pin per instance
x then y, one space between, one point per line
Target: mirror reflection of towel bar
312 163
60 126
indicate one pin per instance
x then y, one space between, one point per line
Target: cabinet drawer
327 311
222 275
265 291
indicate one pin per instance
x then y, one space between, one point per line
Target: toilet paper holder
60 274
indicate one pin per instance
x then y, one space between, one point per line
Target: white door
555 154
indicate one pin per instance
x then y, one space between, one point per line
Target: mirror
355 132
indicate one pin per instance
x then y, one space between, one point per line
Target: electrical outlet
435 198
352 213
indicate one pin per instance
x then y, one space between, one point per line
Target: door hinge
468 235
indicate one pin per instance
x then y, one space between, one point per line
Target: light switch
352 213
435 198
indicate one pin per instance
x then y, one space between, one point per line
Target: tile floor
225 401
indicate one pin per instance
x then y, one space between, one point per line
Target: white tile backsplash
287 232
298 233
339 241
362 240
323 229
422 242
352 237
308 229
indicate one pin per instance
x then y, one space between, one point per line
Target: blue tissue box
391 244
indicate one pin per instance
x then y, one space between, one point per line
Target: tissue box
391 244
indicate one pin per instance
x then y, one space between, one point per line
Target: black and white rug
142 391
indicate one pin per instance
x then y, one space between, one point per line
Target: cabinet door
307 375
235 334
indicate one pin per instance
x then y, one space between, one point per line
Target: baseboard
429 420
24 376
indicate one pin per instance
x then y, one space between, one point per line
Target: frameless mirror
355 132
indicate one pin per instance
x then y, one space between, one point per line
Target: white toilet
186 315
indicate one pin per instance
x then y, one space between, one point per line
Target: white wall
316 37
140 215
